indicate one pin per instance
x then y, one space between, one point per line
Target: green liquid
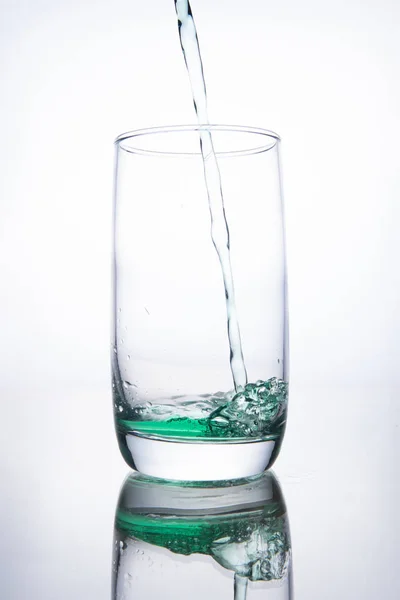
180 535
253 543
181 427
257 411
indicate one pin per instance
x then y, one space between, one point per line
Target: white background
325 76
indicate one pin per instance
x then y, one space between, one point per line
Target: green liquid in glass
256 411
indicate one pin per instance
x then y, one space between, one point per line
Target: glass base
197 461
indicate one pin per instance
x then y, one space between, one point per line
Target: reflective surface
338 474
231 538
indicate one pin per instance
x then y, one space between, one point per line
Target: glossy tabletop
62 473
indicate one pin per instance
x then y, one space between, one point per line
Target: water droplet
120 409
119 310
115 349
128 384
128 356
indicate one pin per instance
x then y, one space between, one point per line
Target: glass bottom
190 460
208 437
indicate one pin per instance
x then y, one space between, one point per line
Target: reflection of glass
180 541
180 411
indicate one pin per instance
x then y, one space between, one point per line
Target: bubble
253 411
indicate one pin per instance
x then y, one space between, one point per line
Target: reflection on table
214 540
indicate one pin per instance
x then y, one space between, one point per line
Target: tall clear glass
178 414
229 541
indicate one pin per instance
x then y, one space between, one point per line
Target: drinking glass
227 540
178 414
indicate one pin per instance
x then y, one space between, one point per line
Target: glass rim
271 139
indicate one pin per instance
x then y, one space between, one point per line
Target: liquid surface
256 411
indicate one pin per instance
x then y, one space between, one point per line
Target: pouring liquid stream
219 226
